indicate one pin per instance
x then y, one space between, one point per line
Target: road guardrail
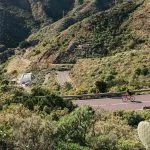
101 95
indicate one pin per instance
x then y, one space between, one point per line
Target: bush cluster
81 129
24 44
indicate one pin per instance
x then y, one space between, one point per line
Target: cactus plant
144 133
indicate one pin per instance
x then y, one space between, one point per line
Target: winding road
63 77
116 103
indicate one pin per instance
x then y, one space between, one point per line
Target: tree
101 86
43 99
74 127
24 44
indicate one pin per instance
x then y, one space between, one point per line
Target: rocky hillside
121 71
19 17
101 34
91 29
16 22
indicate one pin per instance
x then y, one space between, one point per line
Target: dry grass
17 63
140 21
119 70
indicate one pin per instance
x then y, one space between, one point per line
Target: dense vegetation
15 23
120 72
18 18
51 123
105 44
96 36
88 29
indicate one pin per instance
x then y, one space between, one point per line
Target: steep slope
16 22
102 34
23 15
121 71
140 23
20 18
106 34
78 13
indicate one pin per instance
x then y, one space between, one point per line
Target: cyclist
128 92
128 96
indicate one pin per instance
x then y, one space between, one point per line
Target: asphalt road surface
116 103
63 77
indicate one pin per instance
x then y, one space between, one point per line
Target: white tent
25 78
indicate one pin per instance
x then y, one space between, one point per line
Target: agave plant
144 133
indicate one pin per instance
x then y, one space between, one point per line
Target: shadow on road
115 97
146 107
121 98
137 102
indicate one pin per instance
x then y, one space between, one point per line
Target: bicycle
127 97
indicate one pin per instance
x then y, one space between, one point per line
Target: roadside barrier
101 95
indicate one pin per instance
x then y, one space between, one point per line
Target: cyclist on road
128 96
128 92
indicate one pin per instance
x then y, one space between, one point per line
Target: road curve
116 103
63 77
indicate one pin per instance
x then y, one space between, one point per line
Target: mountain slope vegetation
122 71
19 17
89 29
101 34
16 22
92 40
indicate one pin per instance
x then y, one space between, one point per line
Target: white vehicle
25 79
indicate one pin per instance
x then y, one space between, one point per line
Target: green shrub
5 70
37 52
14 72
101 86
74 127
105 142
41 98
109 78
129 145
68 86
4 88
70 146
133 118
38 91
5 138
34 133
145 71
24 44
138 71
5 82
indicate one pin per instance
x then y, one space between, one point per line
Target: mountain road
116 103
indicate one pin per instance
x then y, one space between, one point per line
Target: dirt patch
18 64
